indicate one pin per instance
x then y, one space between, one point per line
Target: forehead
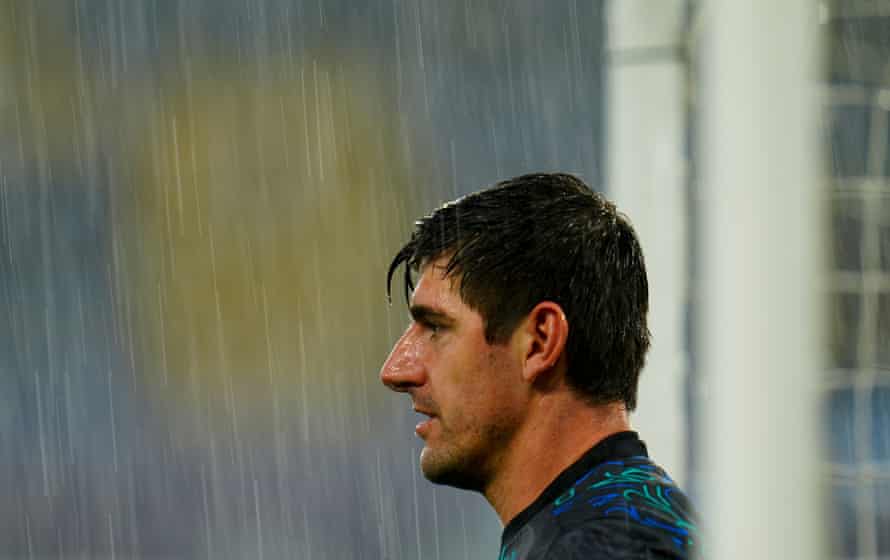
435 290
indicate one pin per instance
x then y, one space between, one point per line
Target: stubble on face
465 450
460 466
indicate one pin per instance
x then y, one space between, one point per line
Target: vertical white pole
760 205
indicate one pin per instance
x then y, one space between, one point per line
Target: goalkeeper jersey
613 503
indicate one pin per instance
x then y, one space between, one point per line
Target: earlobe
546 332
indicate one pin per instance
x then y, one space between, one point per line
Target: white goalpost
760 207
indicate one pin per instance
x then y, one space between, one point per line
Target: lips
422 428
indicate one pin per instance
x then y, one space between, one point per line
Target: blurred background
199 200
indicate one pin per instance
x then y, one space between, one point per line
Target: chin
449 469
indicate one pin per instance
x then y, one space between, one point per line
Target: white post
761 194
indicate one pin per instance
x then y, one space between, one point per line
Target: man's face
468 388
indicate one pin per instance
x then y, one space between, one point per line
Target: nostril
393 378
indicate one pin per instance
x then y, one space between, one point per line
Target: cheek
489 389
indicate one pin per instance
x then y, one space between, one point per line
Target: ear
544 333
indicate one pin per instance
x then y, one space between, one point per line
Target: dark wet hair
546 237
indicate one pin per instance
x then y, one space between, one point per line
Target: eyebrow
425 314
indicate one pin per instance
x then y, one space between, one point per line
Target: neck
556 433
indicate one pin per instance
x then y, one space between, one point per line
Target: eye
433 328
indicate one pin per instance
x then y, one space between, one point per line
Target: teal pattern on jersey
634 490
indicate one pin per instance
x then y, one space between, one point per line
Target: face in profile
467 389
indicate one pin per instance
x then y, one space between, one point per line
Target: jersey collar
620 445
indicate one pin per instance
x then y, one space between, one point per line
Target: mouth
422 428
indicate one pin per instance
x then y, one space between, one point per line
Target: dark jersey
613 503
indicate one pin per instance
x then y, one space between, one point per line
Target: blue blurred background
198 203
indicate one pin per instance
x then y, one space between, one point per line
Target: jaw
468 463
440 466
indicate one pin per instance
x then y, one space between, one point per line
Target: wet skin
468 388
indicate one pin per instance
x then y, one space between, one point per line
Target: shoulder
628 509
630 505
602 542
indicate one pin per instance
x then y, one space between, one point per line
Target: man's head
534 255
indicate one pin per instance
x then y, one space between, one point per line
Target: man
527 340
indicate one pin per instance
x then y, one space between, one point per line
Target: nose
403 369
